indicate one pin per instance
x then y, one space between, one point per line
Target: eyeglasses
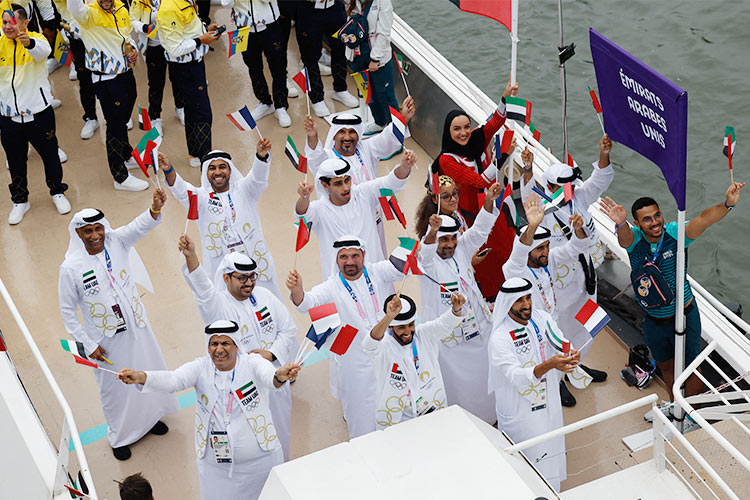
455 194
243 278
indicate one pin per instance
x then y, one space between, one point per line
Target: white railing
70 430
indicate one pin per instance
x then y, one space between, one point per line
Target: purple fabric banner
643 110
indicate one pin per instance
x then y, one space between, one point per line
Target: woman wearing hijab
467 159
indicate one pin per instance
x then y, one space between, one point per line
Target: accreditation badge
540 401
220 443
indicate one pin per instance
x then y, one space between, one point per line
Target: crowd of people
498 299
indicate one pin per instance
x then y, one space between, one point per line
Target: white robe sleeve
204 293
519 257
385 270
384 144
41 49
477 235
440 327
313 212
264 371
285 345
373 348
68 297
594 186
174 381
526 187
428 257
505 363
317 296
256 181
568 251
315 157
180 188
131 233
371 189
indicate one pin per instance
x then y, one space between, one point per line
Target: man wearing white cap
525 374
345 209
228 217
408 377
357 290
533 259
98 275
266 327
346 140
446 257
232 412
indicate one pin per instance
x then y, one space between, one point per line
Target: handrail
69 420
575 426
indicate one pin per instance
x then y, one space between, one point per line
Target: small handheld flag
303 234
151 31
325 317
535 132
568 191
144 122
298 161
730 140
238 40
362 79
193 210
400 64
506 142
571 162
391 208
6 6
62 51
593 317
506 204
343 340
499 10
597 107
399 124
399 257
518 109
75 348
243 120
86 362
303 81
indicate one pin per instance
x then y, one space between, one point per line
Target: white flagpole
513 40
679 316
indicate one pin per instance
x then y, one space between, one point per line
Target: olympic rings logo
398 384
523 350
92 291
216 209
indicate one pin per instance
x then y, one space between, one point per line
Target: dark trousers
289 11
383 92
156 67
191 80
117 98
313 25
204 11
267 42
85 86
40 133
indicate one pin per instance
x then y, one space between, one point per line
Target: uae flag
506 142
595 101
144 122
560 343
193 206
242 119
262 314
518 109
535 132
404 253
550 204
518 333
399 62
730 140
391 208
299 161
499 10
75 348
85 362
246 390
592 317
303 234
506 204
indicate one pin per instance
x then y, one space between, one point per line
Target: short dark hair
326 180
640 203
21 11
135 487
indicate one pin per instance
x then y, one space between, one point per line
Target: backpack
355 34
649 286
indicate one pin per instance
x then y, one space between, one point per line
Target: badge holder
220 445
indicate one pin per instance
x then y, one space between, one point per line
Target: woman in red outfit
467 158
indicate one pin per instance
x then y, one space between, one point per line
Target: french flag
399 124
325 317
592 317
243 119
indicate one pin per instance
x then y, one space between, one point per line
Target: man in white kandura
266 327
524 375
357 290
408 379
98 275
533 259
235 439
228 217
446 256
347 209
345 140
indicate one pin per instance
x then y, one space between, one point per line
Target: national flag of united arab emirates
73 347
518 109
298 161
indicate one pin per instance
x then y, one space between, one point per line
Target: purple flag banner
643 110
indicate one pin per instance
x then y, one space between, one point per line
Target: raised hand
263 148
287 372
393 307
131 376
435 222
311 129
576 221
534 211
408 108
528 158
511 89
160 198
410 158
457 303
614 211
164 162
605 145
294 281
733 193
304 189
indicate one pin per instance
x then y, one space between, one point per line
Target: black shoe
597 375
121 453
566 398
159 428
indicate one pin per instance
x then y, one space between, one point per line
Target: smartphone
221 29
484 252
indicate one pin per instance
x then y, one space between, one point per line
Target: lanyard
547 305
359 158
542 342
658 249
461 280
108 261
370 288
416 355
230 403
461 221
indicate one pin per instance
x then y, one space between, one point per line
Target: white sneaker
62 203
320 109
291 88
17 213
156 123
180 112
56 103
130 124
665 408
346 99
52 65
373 128
72 74
87 132
325 57
132 164
61 154
131 184
283 117
261 110
324 70
195 162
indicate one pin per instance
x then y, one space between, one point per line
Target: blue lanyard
108 261
539 338
415 353
658 248
547 305
231 205
370 289
359 158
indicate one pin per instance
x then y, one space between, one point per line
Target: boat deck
33 250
